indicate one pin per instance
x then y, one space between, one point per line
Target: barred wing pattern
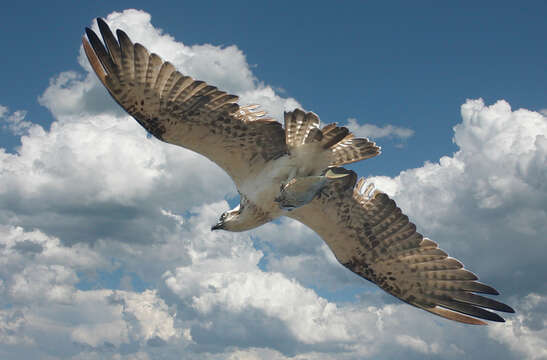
180 110
365 229
370 235
338 142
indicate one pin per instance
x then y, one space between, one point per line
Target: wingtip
103 26
492 291
497 318
454 316
94 61
122 34
88 32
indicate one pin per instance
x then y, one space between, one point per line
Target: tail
341 146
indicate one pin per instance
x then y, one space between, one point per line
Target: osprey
293 171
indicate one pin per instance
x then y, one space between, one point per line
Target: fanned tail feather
333 134
351 149
341 146
298 125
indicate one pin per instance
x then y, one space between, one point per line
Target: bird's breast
262 188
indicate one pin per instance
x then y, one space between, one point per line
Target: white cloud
125 316
374 132
53 283
417 344
81 171
12 324
526 333
36 268
256 354
39 279
96 156
295 251
95 163
15 122
94 355
96 318
93 195
310 318
151 314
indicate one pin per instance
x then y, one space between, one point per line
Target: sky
105 241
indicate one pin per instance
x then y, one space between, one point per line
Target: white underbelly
264 187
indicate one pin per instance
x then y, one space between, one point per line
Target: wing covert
180 110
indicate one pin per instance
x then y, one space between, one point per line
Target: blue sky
407 64
105 234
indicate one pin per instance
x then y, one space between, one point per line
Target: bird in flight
293 171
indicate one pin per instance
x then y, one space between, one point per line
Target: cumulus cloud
36 268
125 317
82 171
106 249
239 304
90 182
309 318
40 291
374 132
12 323
295 251
417 344
526 333
15 122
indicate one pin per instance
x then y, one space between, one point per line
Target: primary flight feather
293 171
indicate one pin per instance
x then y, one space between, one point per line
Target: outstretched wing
182 111
370 235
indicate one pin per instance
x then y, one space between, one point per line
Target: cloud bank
106 251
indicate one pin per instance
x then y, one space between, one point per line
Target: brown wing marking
371 236
180 110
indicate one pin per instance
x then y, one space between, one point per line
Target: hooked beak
217 226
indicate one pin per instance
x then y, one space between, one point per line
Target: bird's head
228 220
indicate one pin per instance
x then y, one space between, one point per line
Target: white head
228 219
241 218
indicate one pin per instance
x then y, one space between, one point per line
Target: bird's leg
300 191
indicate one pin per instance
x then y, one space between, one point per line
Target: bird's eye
223 216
